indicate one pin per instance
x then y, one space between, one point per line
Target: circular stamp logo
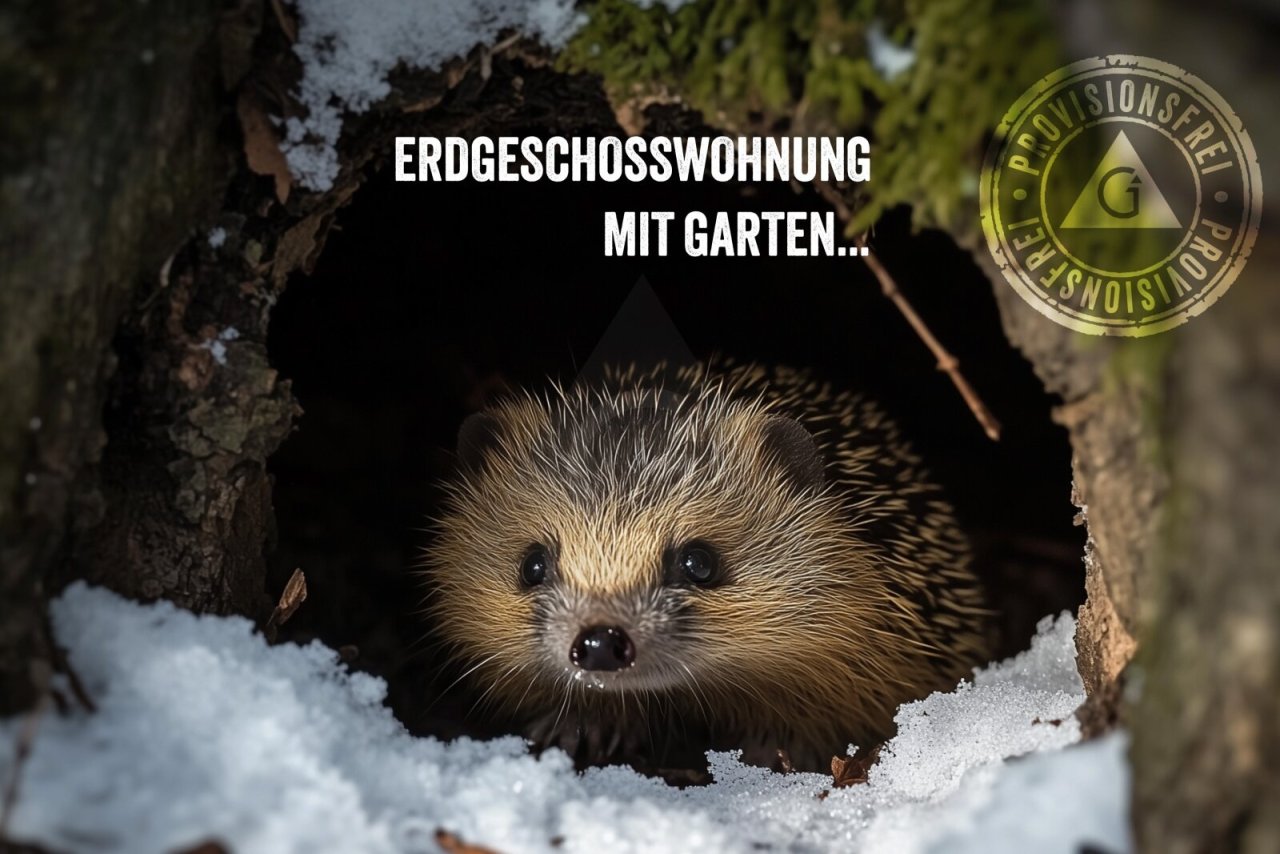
1121 196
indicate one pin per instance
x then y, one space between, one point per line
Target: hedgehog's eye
698 563
533 569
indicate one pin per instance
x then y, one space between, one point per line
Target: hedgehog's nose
602 648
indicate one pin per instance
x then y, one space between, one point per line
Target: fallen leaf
453 844
262 146
295 593
209 846
422 104
852 770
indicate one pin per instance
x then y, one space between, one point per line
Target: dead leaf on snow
453 844
209 846
852 770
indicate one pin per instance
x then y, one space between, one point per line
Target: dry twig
287 24
23 741
946 361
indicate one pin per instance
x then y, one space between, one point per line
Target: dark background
432 297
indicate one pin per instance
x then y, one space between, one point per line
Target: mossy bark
1203 698
1119 479
1182 482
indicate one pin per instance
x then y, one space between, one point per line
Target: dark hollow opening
430 297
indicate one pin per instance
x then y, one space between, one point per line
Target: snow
218 344
203 731
348 50
887 58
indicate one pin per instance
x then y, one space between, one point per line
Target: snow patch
887 58
218 344
203 731
348 50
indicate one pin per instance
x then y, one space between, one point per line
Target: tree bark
1202 696
1204 703
109 156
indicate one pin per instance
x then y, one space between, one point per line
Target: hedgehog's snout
602 648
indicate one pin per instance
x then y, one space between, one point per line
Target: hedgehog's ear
477 437
794 448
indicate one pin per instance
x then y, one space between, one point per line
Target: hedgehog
735 551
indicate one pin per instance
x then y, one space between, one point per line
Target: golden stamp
1121 196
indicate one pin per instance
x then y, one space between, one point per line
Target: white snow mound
204 732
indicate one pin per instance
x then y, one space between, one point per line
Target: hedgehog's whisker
532 681
470 670
495 684
695 689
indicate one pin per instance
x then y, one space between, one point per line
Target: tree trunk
106 166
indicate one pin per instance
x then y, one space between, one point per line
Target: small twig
946 361
25 738
505 43
287 25
62 664
833 197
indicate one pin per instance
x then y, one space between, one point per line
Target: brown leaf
261 145
209 846
453 844
423 104
852 770
629 112
295 593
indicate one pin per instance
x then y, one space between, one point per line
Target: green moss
748 64
1141 364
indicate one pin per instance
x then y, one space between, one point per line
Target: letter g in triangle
1121 194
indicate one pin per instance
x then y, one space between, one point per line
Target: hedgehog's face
628 544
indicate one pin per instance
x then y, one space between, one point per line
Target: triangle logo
642 332
1121 194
